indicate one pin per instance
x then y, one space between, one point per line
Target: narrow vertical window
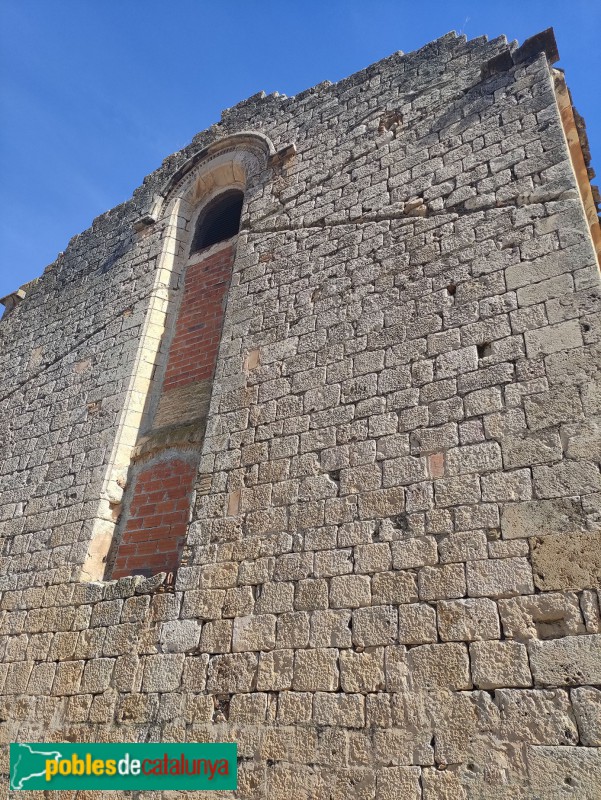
162 476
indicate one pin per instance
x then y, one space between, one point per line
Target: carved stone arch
235 160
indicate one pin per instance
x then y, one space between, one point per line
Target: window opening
219 221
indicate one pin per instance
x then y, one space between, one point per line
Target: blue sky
94 94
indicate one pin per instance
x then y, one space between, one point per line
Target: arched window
219 221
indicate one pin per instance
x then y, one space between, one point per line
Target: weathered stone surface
468 620
498 664
399 444
570 661
538 517
394 587
393 782
97 675
499 577
275 670
350 591
567 561
316 670
248 708
162 673
330 629
234 672
436 583
346 710
537 716
417 624
550 769
375 626
586 702
442 666
541 616
254 633
179 636
362 672
416 552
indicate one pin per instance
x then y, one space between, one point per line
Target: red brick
154 532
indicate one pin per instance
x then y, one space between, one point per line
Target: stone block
120 639
541 517
295 707
543 448
439 666
256 632
553 338
66 682
361 479
345 710
500 577
457 491
179 636
537 716
541 616
316 670
396 782
275 598
586 702
442 582
507 486
162 673
233 672
203 603
571 661
404 471
311 595
362 672
194 677
443 785
419 551
567 478
463 546
97 675
377 625
372 557
551 769
40 679
546 409
293 630
468 620
248 708
350 591
566 561
135 609
333 562
417 624
381 503
394 587
275 671
218 576
474 458
216 636
239 602
499 664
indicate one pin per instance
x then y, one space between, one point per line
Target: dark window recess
219 221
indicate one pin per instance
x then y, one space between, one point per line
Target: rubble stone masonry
331 488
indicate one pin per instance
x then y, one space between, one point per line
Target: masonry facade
330 487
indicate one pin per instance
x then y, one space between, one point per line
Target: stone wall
389 586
